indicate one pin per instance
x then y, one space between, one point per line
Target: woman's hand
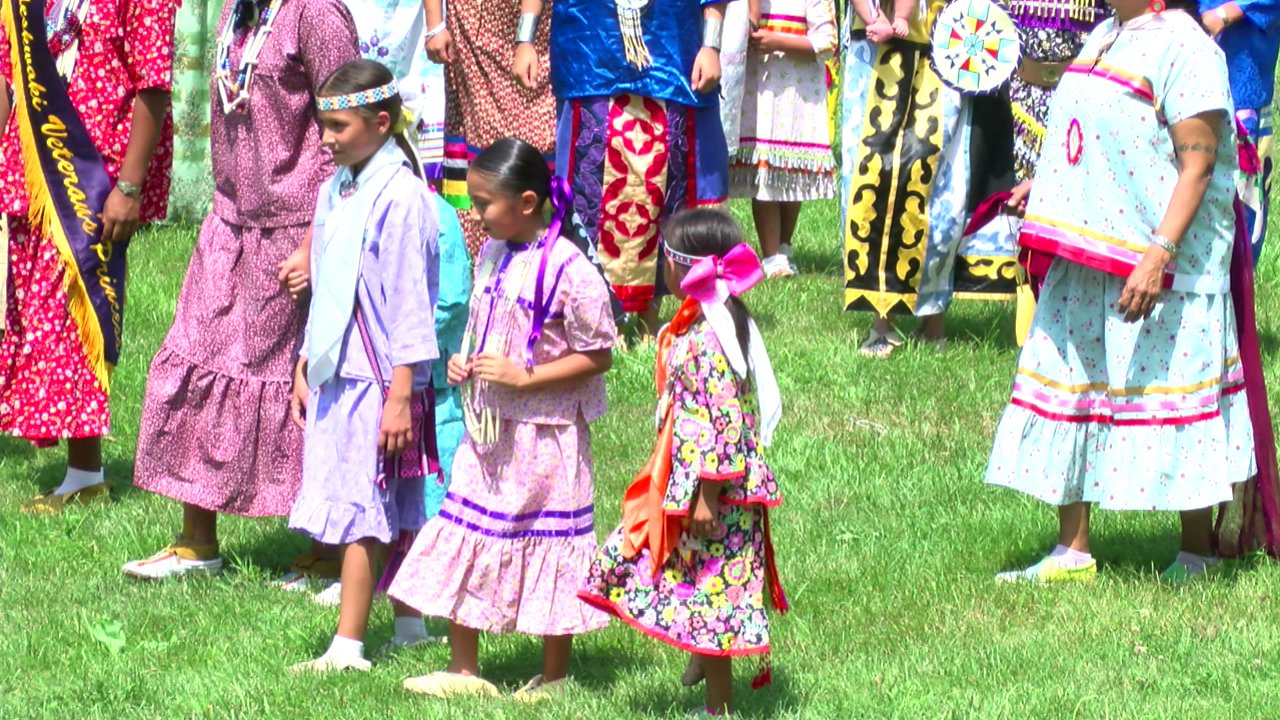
458 370
396 432
440 48
120 216
704 519
1017 202
298 398
295 272
706 71
525 65
1142 289
498 369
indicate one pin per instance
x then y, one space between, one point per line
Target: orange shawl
644 523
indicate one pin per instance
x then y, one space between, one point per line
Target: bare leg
882 326
1197 532
1073 526
359 568
932 327
464 650
199 525
719 672
768 220
556 651
790 217
85 454
649 325
403 611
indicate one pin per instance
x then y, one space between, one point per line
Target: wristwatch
128 189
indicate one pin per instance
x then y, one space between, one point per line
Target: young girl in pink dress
515 536
692 563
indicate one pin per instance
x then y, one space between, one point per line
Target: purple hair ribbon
561 202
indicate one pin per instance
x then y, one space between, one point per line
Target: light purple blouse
399 282
267 158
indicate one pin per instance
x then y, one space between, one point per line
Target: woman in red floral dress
120 59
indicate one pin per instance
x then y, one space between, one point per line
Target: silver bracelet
527 29
712 29
1163 243
435 30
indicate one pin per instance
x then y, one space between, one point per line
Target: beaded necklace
234 90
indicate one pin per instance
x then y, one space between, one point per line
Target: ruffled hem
780 184
221 443
604 605
527 585
339 523
1165 467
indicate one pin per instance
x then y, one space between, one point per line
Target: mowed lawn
887 544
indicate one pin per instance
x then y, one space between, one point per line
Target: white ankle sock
1196 564
1070 558
410 630
77 479
347 648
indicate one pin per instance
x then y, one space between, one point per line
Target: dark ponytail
701 232
359 75
515 167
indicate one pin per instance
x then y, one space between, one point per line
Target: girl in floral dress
691 564
784 153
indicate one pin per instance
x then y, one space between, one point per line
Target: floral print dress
709 597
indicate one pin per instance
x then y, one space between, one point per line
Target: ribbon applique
561 201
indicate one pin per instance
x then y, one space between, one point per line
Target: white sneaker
297 582
777 266
329 663
331 596
173 561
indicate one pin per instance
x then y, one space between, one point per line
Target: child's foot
1187 567
535 691
937 344
447 685
331 663
181 558
1053 570
693 672
331 596
777 266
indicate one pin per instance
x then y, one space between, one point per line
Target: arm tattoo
1196 147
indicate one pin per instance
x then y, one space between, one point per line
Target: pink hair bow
713 279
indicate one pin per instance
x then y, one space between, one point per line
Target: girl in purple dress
515 536
362 387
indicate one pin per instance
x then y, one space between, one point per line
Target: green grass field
887 543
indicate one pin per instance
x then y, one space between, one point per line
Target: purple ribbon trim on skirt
517 535
525 517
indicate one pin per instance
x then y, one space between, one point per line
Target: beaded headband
358 99
680 258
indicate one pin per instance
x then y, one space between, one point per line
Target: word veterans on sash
68 184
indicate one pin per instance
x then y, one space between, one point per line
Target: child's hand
396 432
900 27
525 65
765 42
1017 203
440 48
703 522
459 370
880 30
498 369
298 398
295 272
706 71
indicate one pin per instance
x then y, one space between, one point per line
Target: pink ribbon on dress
713 279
